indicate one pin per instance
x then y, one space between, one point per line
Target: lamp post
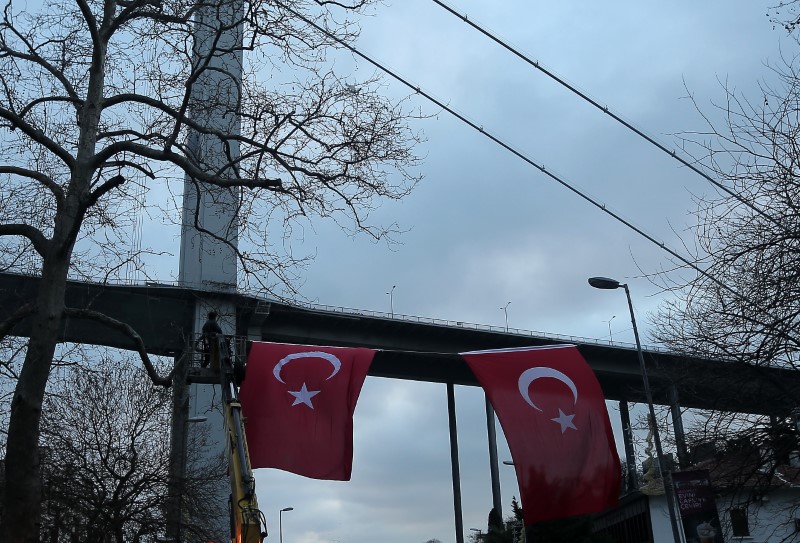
610 337
391 299
505 310
280 522
612 284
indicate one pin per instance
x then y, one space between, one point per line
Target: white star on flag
304 396
564 420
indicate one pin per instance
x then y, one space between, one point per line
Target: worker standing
211 329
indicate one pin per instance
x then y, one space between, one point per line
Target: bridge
413 348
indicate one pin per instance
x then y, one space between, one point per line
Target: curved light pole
391 299
612 284
505 310
610 337
280 522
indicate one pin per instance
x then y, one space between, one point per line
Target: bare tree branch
37 135
7 325
45 180
126 329
100 191
187 165
25 230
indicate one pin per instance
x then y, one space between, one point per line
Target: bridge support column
209 237
677 425
494 468
451 417
627 439
177 453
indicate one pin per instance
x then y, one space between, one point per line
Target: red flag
298 402
554 416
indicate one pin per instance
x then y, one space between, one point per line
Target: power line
605 109
533 163
560 180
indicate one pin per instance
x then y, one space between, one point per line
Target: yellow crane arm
246 518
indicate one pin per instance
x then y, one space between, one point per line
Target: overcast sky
484 228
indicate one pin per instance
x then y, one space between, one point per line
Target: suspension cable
605 109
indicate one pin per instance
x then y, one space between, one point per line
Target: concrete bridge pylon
208 263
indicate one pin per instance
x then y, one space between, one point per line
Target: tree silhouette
745 308
114 106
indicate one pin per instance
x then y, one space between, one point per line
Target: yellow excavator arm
247 522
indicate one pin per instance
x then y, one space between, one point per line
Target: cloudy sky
484 228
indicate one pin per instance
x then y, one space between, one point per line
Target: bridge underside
163 316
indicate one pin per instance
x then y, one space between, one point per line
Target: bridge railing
473 326
387 315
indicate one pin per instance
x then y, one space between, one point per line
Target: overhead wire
560 180
670 152
605 109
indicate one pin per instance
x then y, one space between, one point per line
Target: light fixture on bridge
391 300
505 310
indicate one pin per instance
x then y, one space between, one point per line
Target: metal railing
384 315
200 355
472 326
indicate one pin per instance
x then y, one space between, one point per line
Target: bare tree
785 14
100 103
744 307
105 454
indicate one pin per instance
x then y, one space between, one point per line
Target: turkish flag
298 402
554 417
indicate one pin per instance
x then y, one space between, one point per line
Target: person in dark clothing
211 326
211 329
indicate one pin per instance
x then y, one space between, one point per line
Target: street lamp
280 522
505 310
391 299
610 337
611 284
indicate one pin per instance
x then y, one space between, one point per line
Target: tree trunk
23 485
22 499
21 505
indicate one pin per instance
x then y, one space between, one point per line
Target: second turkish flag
298 402
554 417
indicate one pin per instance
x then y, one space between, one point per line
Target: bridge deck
162 315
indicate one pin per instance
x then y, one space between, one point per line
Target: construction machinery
247 522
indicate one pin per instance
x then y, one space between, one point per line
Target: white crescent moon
530 375
335 362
